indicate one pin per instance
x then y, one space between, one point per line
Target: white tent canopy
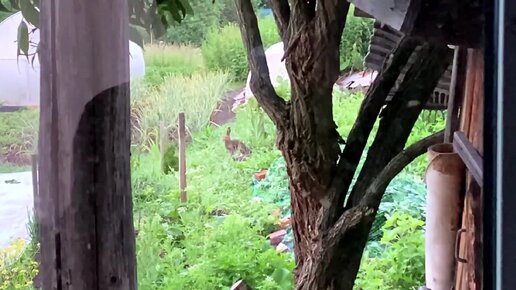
19 78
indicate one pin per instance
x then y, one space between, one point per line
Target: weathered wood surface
87 231
456 95
469 275
469 156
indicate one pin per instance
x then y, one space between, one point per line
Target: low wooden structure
462 90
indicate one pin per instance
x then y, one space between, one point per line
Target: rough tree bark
330 237
86 226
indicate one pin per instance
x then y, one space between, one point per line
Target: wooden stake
162 140
182 156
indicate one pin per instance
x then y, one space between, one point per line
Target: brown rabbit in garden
238 150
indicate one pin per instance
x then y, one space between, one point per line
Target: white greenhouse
19 78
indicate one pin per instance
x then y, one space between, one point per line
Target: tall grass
196 95
18 135
166 60
223 48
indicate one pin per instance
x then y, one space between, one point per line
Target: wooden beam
87 238
457 83
470 156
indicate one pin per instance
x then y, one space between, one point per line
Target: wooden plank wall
469 272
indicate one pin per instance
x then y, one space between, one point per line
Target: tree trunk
311 163
330 238
339 251
87 232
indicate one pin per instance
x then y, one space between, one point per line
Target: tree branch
260 84
281 11
357 138
375 191
401 114
332 15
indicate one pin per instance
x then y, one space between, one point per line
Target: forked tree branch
357 138
332 15
401 114
374 192
281 11
260 84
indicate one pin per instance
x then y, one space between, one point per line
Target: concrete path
16 204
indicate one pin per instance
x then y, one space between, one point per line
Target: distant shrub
193 28
207 15
224 49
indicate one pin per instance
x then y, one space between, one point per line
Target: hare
238 150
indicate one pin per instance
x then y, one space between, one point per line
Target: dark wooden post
163 140
87 231
182 156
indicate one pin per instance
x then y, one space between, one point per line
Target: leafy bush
405 194
224 49
401 265
196 95
193 28
17 262
17 269
207 15
162 61
355 41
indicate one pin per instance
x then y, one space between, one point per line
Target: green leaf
23 39
174 11
29 12
3 8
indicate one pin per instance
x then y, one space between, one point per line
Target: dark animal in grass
236 148
170 160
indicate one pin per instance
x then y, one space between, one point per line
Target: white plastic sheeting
19 78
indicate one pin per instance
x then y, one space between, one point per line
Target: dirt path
224 114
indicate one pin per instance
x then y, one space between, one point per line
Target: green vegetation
170 160
196 95
165 60
18 137
224 49
402 262
208 15
219 235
